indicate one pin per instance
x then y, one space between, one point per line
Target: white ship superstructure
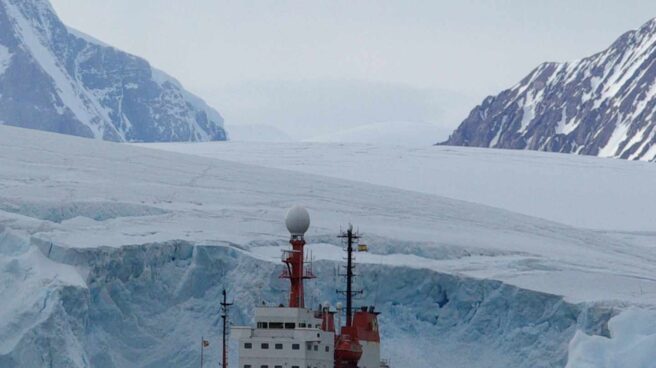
285 337
294 336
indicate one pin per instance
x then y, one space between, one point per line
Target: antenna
225 307
350 236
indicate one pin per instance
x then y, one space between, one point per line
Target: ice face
630 344
149 304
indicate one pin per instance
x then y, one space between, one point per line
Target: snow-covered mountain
57 79
603 105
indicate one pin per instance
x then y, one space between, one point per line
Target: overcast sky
285 62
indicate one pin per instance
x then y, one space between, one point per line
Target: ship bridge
285 338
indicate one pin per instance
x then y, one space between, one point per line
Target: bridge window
278 346
265 345
290 325
262 325
275 325
296 347
248 345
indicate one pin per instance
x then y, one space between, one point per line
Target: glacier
113 255
147 305
588 192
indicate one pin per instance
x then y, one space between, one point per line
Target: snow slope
580 191
94 232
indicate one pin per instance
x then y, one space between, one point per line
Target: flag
206 343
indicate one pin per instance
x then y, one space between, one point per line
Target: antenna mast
225 306
350 236
297 221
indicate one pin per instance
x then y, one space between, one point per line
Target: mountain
57 79
603 105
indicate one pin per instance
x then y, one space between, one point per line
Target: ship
293 336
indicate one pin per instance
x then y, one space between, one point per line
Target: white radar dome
297 220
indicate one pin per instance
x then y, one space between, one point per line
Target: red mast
297 221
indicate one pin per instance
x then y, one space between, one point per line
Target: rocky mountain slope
56 79
603 105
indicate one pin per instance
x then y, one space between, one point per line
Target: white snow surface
77 194
587 192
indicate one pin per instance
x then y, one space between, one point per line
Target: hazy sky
278 62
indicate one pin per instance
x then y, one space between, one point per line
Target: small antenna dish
297 220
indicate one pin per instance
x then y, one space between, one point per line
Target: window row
285 325
265 346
